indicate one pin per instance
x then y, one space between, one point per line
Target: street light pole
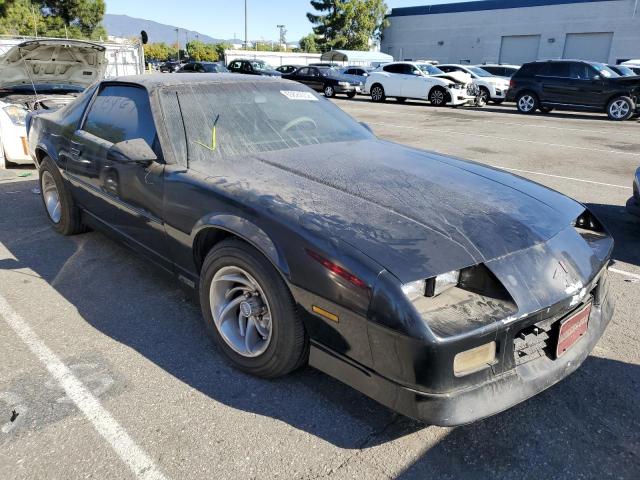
246 42
178 39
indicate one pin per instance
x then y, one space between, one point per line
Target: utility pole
246 42
178 40
283 36
35 21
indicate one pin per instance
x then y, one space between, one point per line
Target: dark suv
574 85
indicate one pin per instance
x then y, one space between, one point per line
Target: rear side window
528 70
235 66
120 113
556 69
396 68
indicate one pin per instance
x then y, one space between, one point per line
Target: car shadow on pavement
138 305
625 229
587 426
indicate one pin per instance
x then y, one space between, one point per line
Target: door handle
75 149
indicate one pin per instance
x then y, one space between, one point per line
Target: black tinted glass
121 113
556 69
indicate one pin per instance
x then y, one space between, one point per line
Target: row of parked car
537 86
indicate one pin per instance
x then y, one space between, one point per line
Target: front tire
250 312
620 109
329 91
527 103
377 93
60 206
485 96
438 97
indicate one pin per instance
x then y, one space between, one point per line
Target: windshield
479 72
429 69
260 65
243 118
604 70
626 71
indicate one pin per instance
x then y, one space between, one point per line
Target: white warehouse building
515 31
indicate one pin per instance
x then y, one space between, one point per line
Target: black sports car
327 80
444 289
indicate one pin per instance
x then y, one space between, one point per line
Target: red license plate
572 329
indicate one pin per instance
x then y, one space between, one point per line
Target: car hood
629 80
415 213
55 61
460 77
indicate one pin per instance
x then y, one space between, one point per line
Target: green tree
53 18
309 44
347 24
200 51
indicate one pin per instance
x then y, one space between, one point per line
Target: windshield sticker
299 95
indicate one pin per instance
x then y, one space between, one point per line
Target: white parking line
626 274
631 133
494 137
560 176
133 456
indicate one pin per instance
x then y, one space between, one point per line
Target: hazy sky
223 18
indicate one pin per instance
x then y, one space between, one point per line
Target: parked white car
423 81
41 74
633 65
492 88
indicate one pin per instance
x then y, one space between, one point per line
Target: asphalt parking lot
157 399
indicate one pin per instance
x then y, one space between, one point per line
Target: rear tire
620 109
438 97
377 93
527 103
59 205
280 345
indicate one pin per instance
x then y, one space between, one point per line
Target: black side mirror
132 151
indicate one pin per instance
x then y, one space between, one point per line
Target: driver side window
120 113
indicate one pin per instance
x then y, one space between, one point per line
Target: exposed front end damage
517 308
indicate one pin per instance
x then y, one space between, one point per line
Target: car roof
158 80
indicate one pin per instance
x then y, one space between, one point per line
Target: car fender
246 230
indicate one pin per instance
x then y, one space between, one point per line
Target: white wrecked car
41 74
422 81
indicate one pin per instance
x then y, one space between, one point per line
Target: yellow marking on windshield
214 140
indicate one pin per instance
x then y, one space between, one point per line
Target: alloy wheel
619 109
526 103
377 93
328 91
437 97
240 311
51 197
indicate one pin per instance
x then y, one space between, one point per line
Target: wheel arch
616 95
444 88
213 228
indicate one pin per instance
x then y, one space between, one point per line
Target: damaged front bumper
521 372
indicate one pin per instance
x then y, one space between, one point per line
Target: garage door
519 49
588 46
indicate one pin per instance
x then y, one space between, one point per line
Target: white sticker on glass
299 95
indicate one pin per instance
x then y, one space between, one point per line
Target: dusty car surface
444 289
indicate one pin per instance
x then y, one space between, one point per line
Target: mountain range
125 26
